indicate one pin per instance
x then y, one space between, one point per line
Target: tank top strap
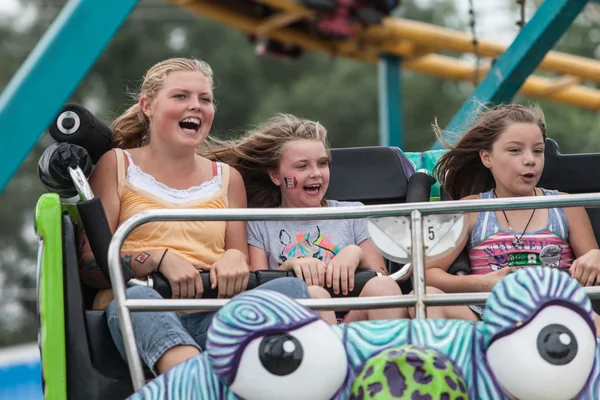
485 224
121 170
557 219
224 170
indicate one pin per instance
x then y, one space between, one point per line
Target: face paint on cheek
290 182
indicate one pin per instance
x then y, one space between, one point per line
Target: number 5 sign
441 234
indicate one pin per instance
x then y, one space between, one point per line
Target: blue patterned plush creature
537 340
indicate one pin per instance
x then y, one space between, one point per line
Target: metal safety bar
81 183
420 300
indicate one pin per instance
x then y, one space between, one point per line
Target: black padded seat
371 175
573 173
95 369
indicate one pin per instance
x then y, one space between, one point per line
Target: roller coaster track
568 79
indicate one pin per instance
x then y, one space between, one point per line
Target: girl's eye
324 163
515 150
180 96
301 166
207 99
539 151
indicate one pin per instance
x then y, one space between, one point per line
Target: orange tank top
195 240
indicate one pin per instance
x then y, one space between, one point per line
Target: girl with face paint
285 163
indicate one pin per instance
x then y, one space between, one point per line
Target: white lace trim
147 182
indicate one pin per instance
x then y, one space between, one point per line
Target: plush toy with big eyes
537 340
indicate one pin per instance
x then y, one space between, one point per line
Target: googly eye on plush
549 358
307 363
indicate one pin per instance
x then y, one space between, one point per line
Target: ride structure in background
344 28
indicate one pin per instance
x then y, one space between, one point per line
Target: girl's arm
235 234
581 234
437 271
586 267
258 258
103 183
230 273
371 258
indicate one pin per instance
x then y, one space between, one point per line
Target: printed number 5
431 233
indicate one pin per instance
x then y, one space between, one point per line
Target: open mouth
190 125
528 175
312 189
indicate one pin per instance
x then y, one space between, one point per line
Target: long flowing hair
460 170
260 150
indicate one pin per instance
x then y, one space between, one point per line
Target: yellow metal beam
285 17
288 6
453 69
441 38
416 43
219 13
561 83
277 21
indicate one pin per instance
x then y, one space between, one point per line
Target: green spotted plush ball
409 372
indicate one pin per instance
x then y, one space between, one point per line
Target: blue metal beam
510 71
390 102
52 72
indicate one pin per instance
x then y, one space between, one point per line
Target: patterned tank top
491 246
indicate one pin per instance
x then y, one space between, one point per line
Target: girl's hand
309 269
182 275
341 269
489 280
586 269
230 274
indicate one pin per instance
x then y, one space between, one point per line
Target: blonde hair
260 151
131 129
460 170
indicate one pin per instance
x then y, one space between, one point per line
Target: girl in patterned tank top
502 155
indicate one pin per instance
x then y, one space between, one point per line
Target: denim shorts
157 332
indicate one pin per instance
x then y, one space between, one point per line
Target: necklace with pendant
517 242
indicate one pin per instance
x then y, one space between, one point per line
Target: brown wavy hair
260 150
131 129
460 170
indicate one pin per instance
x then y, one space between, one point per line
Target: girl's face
303 174
516 160
182 112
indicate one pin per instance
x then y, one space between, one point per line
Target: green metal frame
51 296
510 71
51 73
390 102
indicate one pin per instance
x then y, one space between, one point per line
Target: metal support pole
118 283
510 71
390 102
418 262
52 72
